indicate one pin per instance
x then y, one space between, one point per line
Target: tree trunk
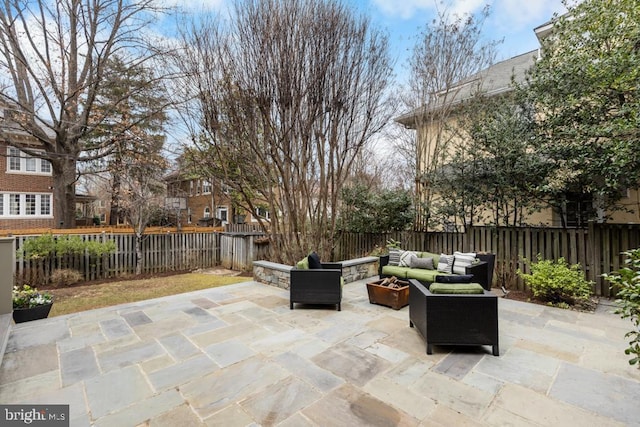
138 253
114 209
64 192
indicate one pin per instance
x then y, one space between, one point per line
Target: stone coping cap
283 267
357 261
272 265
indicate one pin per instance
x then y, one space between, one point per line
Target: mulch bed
527 296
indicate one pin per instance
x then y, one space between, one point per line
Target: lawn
86 297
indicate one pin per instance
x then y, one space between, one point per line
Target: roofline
407 117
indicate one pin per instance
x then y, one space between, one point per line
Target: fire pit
391 292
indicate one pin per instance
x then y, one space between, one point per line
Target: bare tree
448 52
289 93
142 188
53 59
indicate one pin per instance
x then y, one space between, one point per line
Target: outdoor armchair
316 286
454 319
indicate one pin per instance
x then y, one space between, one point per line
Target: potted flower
30 304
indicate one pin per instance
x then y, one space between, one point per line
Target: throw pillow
458 278
425 263
445 264
303 264
462 261
314 261
405 258
394 257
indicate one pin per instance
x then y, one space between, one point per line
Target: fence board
597 249
161 253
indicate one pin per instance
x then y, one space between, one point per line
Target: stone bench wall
275 274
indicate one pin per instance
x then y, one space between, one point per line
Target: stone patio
237 356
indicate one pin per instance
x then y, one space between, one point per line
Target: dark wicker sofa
316 286
452 319
482 271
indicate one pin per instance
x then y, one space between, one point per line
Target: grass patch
88 297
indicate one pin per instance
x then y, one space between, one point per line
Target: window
14 159
29 204
45 166
30 164
262 212
206 187
24 163
578 209
222 214
14 204
45 204
207 212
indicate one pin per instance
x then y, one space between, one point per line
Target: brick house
204 202
26 189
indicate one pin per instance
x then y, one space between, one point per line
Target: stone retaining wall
275 274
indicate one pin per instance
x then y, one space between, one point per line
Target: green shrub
38 247
627 282
46 245
97 249
557 283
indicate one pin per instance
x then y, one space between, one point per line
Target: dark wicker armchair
450 319
316 286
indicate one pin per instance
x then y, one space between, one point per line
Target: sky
512 21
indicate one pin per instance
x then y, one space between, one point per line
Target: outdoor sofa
481 268
454 319
313 282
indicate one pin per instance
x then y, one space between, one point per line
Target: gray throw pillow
425 263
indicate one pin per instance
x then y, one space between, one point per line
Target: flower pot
32 313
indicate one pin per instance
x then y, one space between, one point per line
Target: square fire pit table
393 297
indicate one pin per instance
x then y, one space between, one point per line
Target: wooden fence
598 249
161 253
239 250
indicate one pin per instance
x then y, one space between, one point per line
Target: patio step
5 329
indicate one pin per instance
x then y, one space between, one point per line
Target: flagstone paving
238 356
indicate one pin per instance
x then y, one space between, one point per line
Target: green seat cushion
423 275
456 288
303 264
393 270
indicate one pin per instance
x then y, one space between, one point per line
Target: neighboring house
204 202
88 210
497 80
26 182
